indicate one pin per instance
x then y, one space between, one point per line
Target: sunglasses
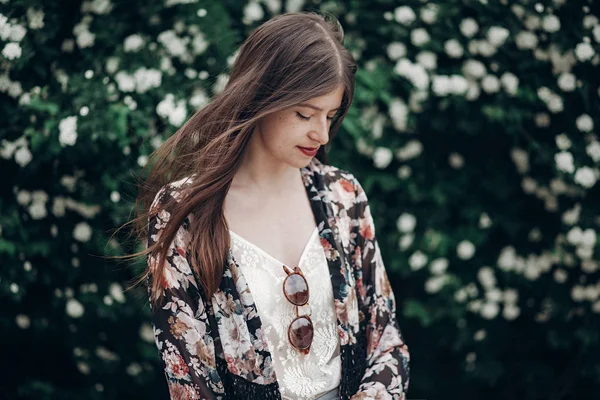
295 289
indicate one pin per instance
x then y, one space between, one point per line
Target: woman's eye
302 117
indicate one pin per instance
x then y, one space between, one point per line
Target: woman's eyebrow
314 107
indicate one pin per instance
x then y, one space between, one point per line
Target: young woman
264 275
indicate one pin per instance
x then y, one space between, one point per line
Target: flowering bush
473 132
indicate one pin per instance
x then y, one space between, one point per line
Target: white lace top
299 376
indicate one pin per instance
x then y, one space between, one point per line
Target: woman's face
281 134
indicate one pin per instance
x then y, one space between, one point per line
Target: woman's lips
308 151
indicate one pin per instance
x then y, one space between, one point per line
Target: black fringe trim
237 387
354 364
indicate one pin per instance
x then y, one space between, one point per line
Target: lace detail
299 376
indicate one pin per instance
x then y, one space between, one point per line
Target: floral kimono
188 329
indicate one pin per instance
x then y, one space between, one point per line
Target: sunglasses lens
295 289
301 332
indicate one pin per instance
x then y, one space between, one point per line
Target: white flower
521 159
200 44
465 250
490 84
415 73
419 36
474 68
584 123
511 312
586 177
115 196
563 142
567 82
551 23
82 232
396 50
578 293
177 116
427 59
11 51
588 237
484 48
406 223
85 38
174 44
100 7
493 294
37 210
507 259
555 104
17 33
593 150
468 27
146 333
133 43
564 162
36 18
438 266
584 51
23 156
460 295
404 15
417 260
413 148
253 12
455 160
125 82
484 221
74 308
112 64
23 321
590 21
542 120
486 277
116 292
68 131
435 283
429 13
406 241
382 156
458 84
440 85
489 310
596 33
142 160
146 79
510 83
510 296
399 113
575 235
453 48
526 40
497 35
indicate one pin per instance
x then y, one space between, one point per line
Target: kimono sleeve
387 372
180 321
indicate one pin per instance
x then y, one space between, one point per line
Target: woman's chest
279 228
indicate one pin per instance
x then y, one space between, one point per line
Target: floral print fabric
216 348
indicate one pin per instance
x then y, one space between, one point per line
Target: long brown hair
289 59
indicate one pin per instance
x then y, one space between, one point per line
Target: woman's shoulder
170 192
343 187
335 177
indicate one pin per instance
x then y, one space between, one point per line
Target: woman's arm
387 373
180 320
